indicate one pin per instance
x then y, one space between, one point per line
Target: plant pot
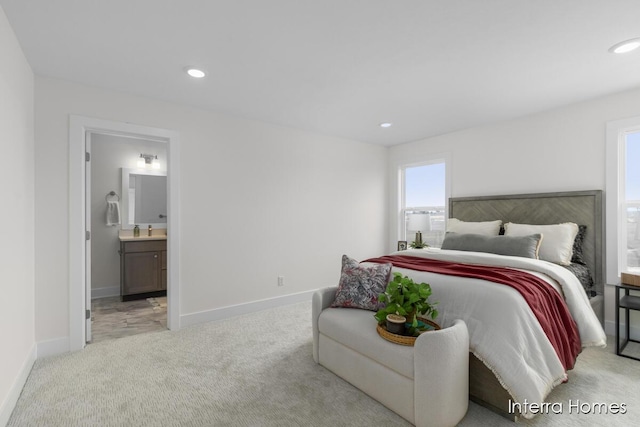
395 323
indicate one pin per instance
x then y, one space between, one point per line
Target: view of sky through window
633 167
425 185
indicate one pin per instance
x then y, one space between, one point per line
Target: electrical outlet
280 280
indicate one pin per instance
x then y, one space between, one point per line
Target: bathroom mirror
144 198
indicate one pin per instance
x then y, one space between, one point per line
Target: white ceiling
341 67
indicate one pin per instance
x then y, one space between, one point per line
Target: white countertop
141 237
156 234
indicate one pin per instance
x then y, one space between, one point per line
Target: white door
87 210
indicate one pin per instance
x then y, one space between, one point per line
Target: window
623 198
632 199
423 206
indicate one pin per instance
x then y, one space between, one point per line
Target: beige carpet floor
257 370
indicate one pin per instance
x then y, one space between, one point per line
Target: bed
524 366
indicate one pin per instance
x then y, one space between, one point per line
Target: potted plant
418 245
407 298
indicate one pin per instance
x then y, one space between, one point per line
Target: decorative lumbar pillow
522 246
360 285
487 228
557 245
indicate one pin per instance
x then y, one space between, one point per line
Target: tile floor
112 318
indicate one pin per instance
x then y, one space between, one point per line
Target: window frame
616 207
401 201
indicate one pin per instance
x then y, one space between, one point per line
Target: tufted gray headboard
581 207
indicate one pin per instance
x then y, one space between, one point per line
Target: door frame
79 126
88 243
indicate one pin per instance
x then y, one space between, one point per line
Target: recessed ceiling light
385 125
625 46
194 72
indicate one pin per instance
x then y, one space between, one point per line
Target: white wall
109 154
558 150
16 216
257 201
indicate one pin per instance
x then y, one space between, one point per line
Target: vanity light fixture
194 72
148 159
625 46
385 125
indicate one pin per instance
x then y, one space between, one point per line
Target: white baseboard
109 291
61 345
610 329
246 308
53 347
14 393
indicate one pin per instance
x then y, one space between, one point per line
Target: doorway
126 183
79 228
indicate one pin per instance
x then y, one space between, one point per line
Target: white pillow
486 228
557 244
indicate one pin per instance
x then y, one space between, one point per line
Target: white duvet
503 331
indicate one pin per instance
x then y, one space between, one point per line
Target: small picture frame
402 245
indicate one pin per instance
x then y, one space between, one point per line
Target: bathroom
127 181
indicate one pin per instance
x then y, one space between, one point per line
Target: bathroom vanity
143 267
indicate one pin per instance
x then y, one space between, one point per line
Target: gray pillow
522 246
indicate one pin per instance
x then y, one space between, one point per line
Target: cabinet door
163 271
141 272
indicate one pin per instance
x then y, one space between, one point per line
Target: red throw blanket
546 303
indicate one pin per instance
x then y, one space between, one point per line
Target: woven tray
402 339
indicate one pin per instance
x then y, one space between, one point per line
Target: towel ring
112 194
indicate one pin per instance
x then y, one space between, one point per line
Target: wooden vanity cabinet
143 268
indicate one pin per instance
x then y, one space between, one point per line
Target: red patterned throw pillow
360 285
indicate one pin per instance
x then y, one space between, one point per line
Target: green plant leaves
404 296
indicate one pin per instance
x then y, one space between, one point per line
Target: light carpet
257 370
